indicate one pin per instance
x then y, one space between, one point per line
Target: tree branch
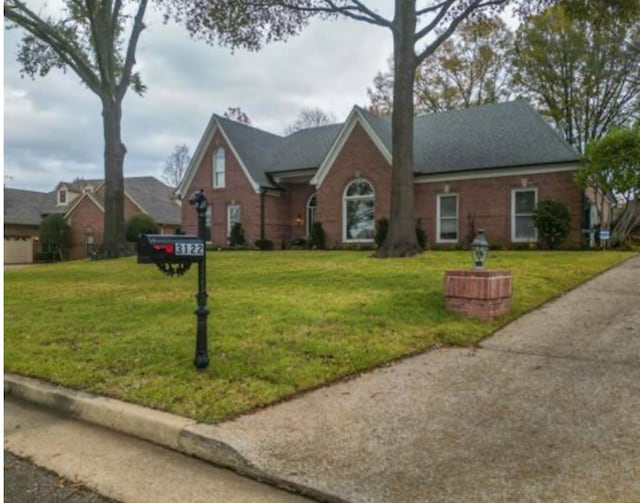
71 54
138 26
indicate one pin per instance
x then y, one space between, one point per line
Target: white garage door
18 251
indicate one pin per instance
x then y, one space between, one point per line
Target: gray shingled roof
254 147
155 197
24 207
490 136
303 149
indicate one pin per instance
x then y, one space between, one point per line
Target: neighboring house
482 167
82 204
22 217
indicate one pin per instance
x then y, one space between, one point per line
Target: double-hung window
447 221
523 204
218 168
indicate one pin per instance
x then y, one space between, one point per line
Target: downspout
262 194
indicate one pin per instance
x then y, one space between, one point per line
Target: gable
250 147
356 118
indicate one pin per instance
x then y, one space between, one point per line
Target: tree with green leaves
140 223
552 219
612 168
471 68
418 28
579 63
55 234
88 38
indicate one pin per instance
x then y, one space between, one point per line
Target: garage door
18 251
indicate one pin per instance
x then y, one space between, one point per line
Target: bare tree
176 165
236 114
310 117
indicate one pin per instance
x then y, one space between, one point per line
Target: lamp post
201 360
479 250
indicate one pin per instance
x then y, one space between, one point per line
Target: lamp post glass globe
479 250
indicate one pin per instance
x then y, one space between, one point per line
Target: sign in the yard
174 254
604 234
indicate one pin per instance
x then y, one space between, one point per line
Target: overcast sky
52 126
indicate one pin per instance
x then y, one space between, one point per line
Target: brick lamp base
478 294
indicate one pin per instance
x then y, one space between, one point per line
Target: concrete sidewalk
548 409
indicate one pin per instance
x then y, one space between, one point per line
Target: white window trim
447 194
224 170
229 216
513 215
308 222
66 197
344 211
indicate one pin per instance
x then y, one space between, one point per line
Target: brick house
483 167
81 204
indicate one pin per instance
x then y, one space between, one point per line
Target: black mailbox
164 249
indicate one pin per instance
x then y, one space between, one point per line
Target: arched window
311 213
218 168
358 211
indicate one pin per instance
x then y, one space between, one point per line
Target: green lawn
280 322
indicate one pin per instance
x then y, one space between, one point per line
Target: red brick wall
86 215
487 203
237 190
359 157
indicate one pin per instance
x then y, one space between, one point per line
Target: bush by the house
317 238
382 228
54 236
298 244
140 223
264 244
236 237
553 221
421 235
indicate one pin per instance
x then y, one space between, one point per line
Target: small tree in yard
553 221
612 167
140 223
236 237
54 235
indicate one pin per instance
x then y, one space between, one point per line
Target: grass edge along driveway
280 322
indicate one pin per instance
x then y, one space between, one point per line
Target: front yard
280 322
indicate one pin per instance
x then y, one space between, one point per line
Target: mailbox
165 249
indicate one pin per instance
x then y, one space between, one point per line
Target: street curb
167 430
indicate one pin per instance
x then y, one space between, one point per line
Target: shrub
317 238
264 244
140 223
421 235
298 244
553 221
236 237
54 235
382 228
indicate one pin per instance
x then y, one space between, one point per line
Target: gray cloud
52 126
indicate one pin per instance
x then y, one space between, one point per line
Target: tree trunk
401 239
114 152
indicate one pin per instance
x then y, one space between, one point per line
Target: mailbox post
174 254
201 360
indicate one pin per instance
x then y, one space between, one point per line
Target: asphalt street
26 482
